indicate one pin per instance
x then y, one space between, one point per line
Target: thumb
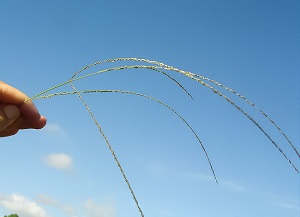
8 114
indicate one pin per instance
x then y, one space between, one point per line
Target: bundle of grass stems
165 70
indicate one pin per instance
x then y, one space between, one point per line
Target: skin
15 114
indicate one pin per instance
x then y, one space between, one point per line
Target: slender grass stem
191 75
110 148
154 68
145 96
254 106
162 68
199 78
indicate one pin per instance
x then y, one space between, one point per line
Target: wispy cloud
22 206
54 129
161 169
167 213
233 186
99 210
227 184
67 209
157 168
26 207
200 177
59 161
286 205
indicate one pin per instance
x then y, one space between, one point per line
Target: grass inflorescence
162 69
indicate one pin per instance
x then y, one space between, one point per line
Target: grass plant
165 70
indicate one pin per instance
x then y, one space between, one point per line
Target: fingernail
12 112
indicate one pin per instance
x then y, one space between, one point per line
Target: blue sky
66 168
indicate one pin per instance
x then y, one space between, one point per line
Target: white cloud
227 184
54 129
67 209
92 209
165 212
59 161
22 206
99 210
42 198
157 168
288 205
234 186
201 177
160 169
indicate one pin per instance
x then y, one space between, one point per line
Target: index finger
11 95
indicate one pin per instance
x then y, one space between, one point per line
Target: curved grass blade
198 79
145 96
154 68
110 148
158 65
215 91
253 105
253 121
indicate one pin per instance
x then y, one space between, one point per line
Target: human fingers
8 114
8 133
22 123
30 114
9 94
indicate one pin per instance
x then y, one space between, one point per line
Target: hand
15 114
